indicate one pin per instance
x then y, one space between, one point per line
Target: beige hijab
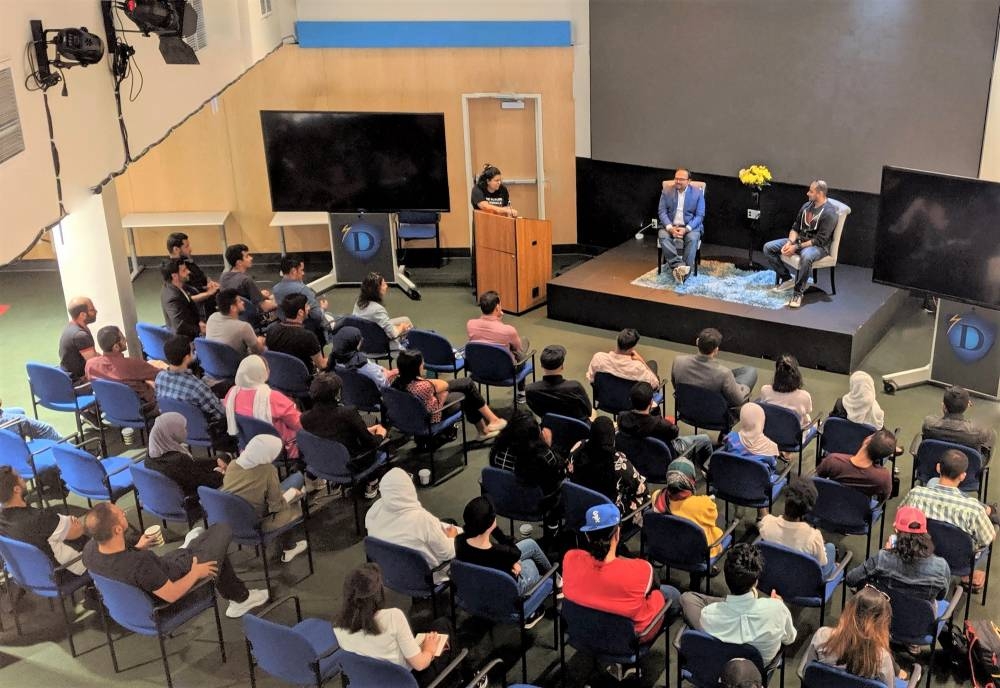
860 402
751 431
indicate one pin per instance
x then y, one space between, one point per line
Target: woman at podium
490 195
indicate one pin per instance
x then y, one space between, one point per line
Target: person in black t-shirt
490 195
76 343
201 289
290 337
640 422
555 394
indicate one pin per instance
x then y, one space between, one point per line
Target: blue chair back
819 675
740 480
929 454
612 394
15 453
280 650
219 360
417 217
128 605
249 427
577 499
841 436
29 566
701 407
566 431
233 510
914 620
153 337
359 390
675 541
954 545
121 406
406 412
702 657
82 472
403 569
251 313
158 494
512 498
287 374
796 576
197 425
52 386
782 426
438 353
324 457
840 508
490 364
599 633
368 672
649 455
485 592
375 342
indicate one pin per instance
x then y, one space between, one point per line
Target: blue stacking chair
928 455
239 515
32 570
649 455
248 427
152 338
439 355
120 407
135 610
842 509
609 638
613 394
799 578
162 497
842 436
818 675
406 571
329 460
784 427
701 408
218 360
566 431
29 458
577 499
197 425
511 498
701 657
956 547
678 543
492 365
743 481
368 672
106 480
417 225
492 594
52 388
375 343
917 621
360 391
408 414
306 653
287 374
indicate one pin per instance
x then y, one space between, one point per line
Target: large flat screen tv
355 161
939 234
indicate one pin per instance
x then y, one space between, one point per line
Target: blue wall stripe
433 34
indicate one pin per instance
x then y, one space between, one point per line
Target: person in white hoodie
398 517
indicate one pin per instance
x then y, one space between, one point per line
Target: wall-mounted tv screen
939 234
355 161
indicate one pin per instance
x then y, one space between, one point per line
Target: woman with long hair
436 393
597 464
489 193
786 389
369 307
251 396
859 405
169 455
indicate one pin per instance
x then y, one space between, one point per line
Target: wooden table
133 221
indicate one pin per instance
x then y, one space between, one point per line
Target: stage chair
415 225
830 261
668 185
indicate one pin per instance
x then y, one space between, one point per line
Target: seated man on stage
810 237
682 213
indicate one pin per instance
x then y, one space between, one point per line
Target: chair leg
68 624
163 656
13 605
833 280
357 511
107 633
250 663
309 549
801 449
267 573
218 629
524 654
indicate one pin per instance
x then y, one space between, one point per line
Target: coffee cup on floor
155 535
424 474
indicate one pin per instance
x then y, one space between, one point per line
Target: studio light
78 47
72 48
170 20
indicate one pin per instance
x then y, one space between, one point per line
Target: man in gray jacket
703 370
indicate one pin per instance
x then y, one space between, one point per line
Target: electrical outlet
654 223
753 214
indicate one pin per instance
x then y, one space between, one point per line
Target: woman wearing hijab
169 456
598 465
346 354
254 477
748 439
398 517
251 396
859 404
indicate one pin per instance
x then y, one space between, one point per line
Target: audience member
859 404
863 471
293 273
369 307
624 362
170 456
704 370
346 354
437 394
740 672
240 260
748 440
786 389
743 616
169 577
251 396
598 465
554 393
908 563
180 313
953 426
791 530
254 477
30 428
113 365
198 285
488 328
76 343
288 336
640 422
225 325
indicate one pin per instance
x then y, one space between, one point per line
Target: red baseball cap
910 519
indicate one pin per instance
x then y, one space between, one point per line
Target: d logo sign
361 240
971 337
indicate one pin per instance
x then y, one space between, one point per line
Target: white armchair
830 261
668 185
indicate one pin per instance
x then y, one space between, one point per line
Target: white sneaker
192 534
787 285
795 301
499 425
289 554
237 609
678 275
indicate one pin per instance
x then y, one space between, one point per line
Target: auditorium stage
828 333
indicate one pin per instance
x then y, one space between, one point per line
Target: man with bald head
76 344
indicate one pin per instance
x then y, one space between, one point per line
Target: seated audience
554 393
859 404
625 362
859 643
180 313
225 325
369 306
198 285
743 616
436 394
76 343
293 273
640 422
240 260
908 563
791 530
169 577
251 396
598 465
254 477
740 672
346 354
748 440
863 471
30 428
134 372
786 389
489 328
288 336
704 370
170 456
953 426
398 517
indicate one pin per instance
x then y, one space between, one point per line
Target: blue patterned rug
724 281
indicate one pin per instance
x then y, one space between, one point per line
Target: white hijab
252 374
860 402
262 450
751 431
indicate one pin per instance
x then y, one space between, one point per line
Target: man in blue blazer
682 214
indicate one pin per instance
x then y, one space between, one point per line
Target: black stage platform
828 333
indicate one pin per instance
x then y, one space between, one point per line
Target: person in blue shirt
682 213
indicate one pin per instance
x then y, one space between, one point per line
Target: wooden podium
513 258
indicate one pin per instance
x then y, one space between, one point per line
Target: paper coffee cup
424 474
155 533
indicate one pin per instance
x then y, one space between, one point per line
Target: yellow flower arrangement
755 176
